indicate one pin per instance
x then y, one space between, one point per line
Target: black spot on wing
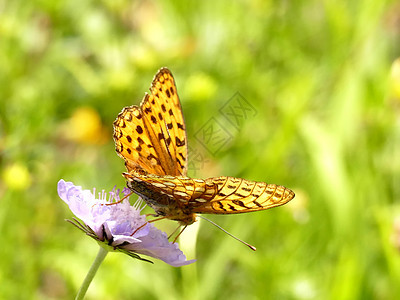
139 129
231 207
179 143
184 158
239 203
256 203
179 162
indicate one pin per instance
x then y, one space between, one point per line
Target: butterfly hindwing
219 195
237 195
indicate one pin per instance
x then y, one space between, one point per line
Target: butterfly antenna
230 234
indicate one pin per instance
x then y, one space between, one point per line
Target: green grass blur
324 85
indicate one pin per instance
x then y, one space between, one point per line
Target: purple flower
119 226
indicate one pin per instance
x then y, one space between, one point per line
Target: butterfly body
151 138
163 201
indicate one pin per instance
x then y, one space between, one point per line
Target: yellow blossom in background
16 176
85 127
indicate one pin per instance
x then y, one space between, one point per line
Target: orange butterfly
151 138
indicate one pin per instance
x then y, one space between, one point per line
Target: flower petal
156 245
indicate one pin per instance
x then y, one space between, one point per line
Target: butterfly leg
158 219
184 227
119 201
173 232
137 229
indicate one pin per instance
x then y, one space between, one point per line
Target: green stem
92 272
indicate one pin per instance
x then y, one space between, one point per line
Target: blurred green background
323 83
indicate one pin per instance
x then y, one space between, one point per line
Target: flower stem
92 272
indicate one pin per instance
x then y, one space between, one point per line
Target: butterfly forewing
152 137
168 111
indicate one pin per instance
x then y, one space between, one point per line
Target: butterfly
151 138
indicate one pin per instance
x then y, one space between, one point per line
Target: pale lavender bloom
120 225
